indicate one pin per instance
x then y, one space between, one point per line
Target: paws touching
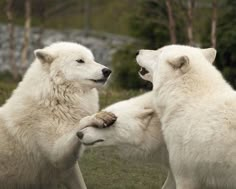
105 119
99 120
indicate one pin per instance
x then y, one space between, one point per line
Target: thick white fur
198 115
38 124
137 131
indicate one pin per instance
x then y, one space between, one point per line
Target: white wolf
137 131
198 115
38 124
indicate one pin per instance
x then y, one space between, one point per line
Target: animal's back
208 142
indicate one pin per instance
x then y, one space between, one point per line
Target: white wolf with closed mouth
197 109
39 123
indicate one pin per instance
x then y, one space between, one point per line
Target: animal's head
73 63
136 132
173 61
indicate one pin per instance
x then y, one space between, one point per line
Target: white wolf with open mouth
39 123
137 130
197 109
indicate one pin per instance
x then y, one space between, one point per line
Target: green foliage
145 25
150 23
126 69
103 15
226 36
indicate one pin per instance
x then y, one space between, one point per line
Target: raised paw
106 118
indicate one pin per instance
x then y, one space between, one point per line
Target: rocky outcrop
102 44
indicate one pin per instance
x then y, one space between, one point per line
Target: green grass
103 168
6 89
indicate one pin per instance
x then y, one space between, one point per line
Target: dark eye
80 61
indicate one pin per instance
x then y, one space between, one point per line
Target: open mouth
92 143
103 80
143 71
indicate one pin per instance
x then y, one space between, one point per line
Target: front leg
170 181
65 150
75 179
185 183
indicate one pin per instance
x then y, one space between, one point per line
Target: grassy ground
103 168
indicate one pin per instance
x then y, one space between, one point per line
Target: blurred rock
102 44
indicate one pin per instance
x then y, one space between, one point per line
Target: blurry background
115 30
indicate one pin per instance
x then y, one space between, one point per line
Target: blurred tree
24 53
171 21
42 8
213 23
11 29
155 23
87 10
191 4
187 9
150 23
226 42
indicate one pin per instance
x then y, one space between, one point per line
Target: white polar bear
137 131
198 115
38 124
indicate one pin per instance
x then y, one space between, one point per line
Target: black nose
137 53
80 135
106 72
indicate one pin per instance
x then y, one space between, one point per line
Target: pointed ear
145 116
145 112
43 56
181 62
210 54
